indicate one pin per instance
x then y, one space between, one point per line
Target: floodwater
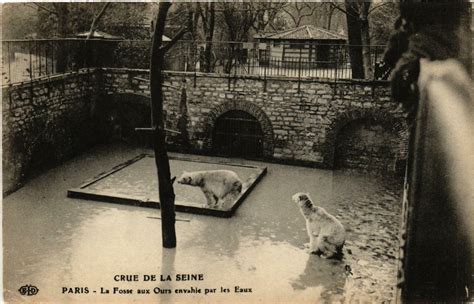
56 243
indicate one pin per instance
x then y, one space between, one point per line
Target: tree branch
96 20
250 9
343 10
272 26
298 9
204 17
177 16
309 14
173 41
45 8
289 14
377 6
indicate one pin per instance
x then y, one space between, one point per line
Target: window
297 45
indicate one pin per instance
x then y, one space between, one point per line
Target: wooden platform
134 183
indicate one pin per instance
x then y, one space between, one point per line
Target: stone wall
300 121
46 121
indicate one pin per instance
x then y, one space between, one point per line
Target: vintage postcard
236 152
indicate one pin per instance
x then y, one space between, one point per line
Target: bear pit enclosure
260 247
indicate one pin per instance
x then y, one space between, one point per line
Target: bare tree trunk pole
365 39
355 39
165 184
64 31
209 35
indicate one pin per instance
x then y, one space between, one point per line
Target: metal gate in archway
239 134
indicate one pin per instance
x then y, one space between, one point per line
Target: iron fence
24 60
270 59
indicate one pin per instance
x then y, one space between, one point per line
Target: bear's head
300 197
185 179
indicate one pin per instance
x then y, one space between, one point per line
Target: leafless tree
298 11
357 15
208 18
238 19
62 13
266 14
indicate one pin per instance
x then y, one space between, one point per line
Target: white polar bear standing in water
217 185
326 234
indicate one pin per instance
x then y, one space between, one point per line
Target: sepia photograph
237 151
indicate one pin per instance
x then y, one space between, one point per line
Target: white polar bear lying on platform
217 185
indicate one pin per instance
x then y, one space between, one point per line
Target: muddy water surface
53 242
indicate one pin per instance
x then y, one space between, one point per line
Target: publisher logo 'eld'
28 290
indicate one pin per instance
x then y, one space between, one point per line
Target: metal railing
25 60
439 189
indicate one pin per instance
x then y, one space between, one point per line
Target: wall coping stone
48 78
384 83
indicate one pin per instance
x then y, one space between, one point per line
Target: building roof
305 32
99 35
104 35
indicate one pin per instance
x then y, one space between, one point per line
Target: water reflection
167 269
316 273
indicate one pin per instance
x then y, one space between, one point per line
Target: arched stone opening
371 140
365 145
237 133
251 116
